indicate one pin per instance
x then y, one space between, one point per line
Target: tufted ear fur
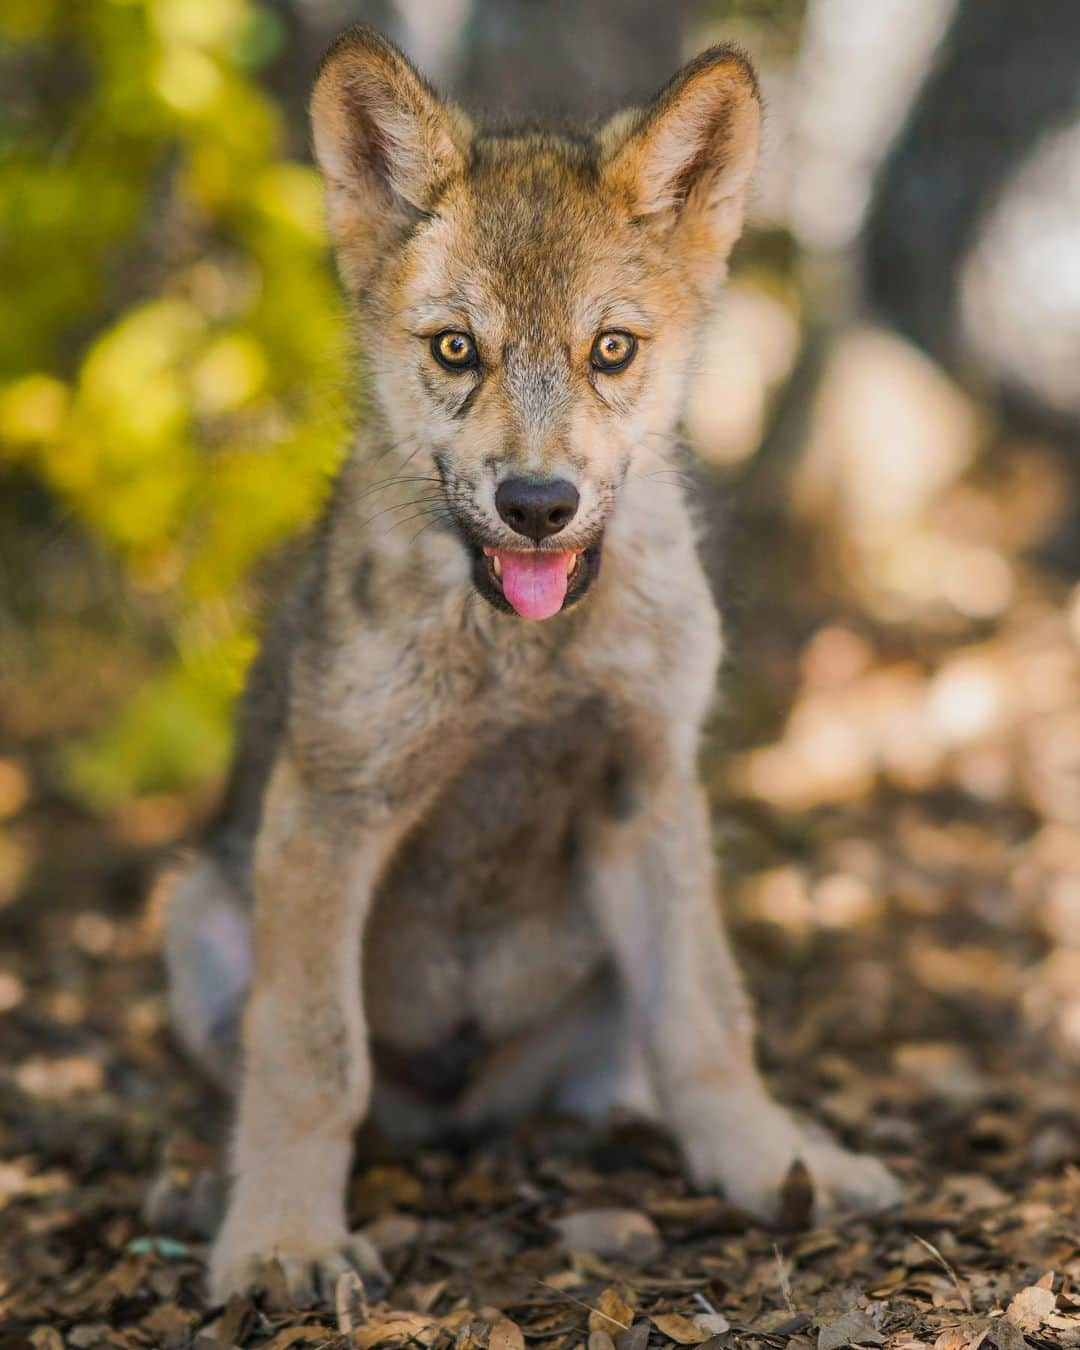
685 160
386 144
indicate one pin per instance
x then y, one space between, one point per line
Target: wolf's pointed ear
688 156
385 142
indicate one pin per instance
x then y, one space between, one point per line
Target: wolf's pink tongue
534 583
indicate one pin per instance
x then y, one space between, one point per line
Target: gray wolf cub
464 862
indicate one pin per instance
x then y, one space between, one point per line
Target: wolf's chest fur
479 924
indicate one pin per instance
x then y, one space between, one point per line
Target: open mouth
535 583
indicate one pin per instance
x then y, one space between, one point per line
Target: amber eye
613 351
454 351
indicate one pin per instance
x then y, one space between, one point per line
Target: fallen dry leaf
1002 1335
1031 1307
851 1328
505 1335
681 1330
611 1312
46 1338
395 1329
637 1338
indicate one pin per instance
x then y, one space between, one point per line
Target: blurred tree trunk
1008 73
569 59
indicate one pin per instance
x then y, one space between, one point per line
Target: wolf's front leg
306 1071
651 886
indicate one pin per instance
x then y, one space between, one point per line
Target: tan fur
473 851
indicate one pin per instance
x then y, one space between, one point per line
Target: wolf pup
464 865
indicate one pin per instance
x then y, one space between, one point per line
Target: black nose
537 509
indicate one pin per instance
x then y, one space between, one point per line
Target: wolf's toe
848 1183
301 1279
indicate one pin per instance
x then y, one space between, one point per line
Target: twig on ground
960 1288
582 1304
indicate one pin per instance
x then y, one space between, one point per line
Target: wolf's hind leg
208 960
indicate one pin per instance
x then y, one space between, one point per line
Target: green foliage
177 373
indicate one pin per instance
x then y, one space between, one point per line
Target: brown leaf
680 1329
637 1338
564 1279
505 1335
953 1338
1031 1307
1003 1335
170 1326
612 1312
395 1329
599 1339
46 1338
851 1328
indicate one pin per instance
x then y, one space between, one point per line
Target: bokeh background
886 431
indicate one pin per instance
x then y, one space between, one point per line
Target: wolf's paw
754 1160
293 1272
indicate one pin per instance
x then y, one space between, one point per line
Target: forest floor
897 812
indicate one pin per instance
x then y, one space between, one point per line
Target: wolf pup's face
531 300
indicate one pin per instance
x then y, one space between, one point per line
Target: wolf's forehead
540 208
534 233
535 163
529 245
